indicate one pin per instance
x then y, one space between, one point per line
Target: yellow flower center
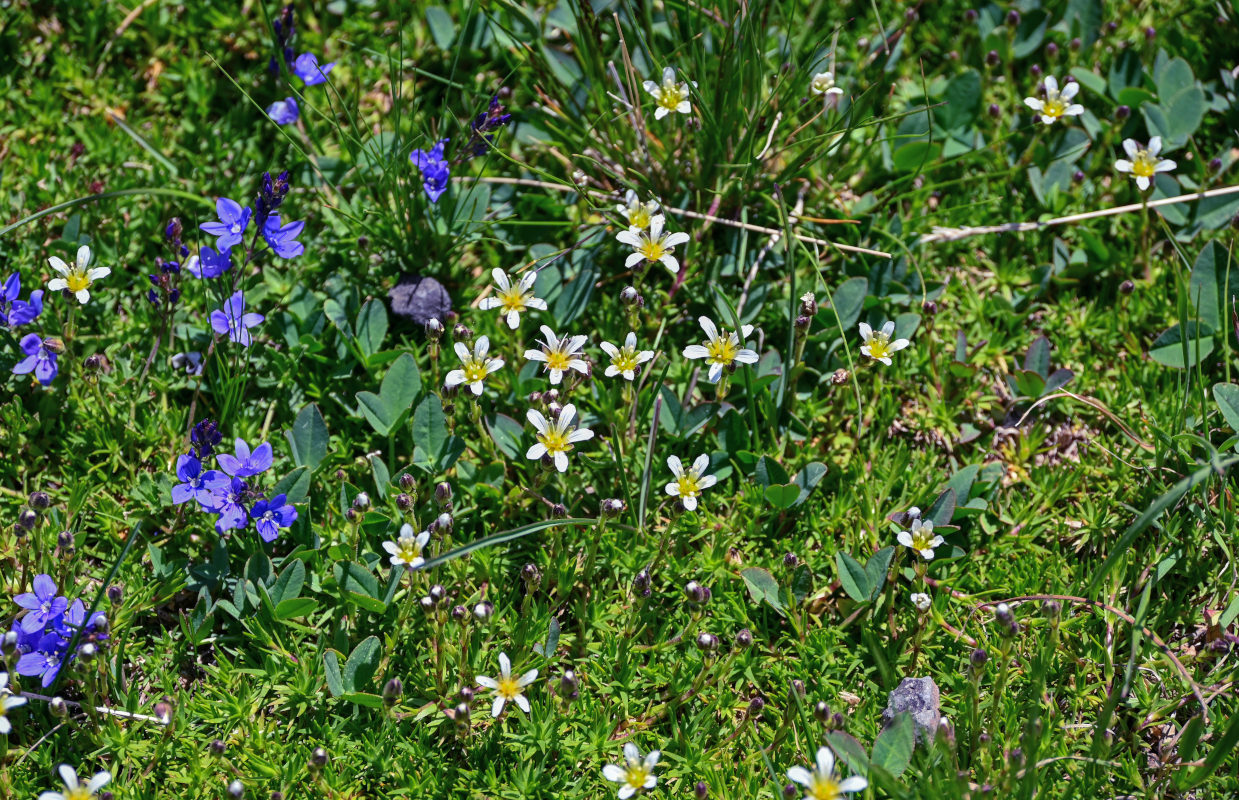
80 793
408 549
508 688
824 789
635 774
557 359
639 217
879 346
77 281
822 84
721 350
688 485
1143 165
1054 105
652 250
669 96
922 539
475 370
513 300
555 441
625 360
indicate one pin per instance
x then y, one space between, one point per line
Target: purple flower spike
233 322
233 220
244 463
43 604
434 168
307 68
271 515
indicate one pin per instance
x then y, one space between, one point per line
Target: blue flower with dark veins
43 604
246 463
283 239
233 220
271 515
40 359
209 263
196 483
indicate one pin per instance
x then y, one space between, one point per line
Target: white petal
462 352
1070 90
59 265
496 708
707 325
866 332
1051 83
83 296
700 464
677 238
611 350
689 501
454 378
673 488
1033 103
98 273
1122 165
521 703
630 238
501 279
68 775
514 319
651 760
566 414
626 791
696 351
528 678
489 683
98 781
631 753
580 435
487 303
825 761
1131 147
614 774
1155 145
889 328
1073 110
674 464
671 263
536 452
1165 165
668 75
1142 182
505 665
800 775
56 284
904 538
561 461
853 784
83 256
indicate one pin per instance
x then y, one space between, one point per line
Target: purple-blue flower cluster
46 629
228 491
434 168
234 220
39 354
304 66
484 127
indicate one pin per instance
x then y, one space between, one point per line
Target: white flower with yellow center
1143 163
77 278
637 214
921 601
406 551
556 438
512 299
559 355
879 346
74 790
508 689
636 774
8 702
669 95
475 366
626 359
1056 104
689 484
721 350
822 783
920 537
824 83
653 244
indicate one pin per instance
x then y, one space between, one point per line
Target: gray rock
420 299
918 697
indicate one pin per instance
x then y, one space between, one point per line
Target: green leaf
308 438
763 587
430 427
915 156
853 577
1028 383
1030 33
849 751
1089 80
1226 395
331 667
402 383
382 417
552 640
506 433
504 537
963 101
1207 289
362 664
355 578
769 472
802 583
295 607
1038 357
808 478
295 484
782 495
876 569
849 301
943 508
893 749
1169 348
367 699
371 327
290 582
442 29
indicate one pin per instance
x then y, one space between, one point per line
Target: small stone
918 697
420 299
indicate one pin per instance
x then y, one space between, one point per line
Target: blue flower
204 436
228 497
196 483
434 168
210 263
45 660
284 112
282 240
75 619
39 359
306 68
233 220
43 604
245 464
233 322
271 515
14 312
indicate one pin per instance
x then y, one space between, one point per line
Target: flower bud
351 515
484 610
1051 609
790 792
392 691
362 501
701 791
821 712
569 686
978 658
28 519
1150 33
695 592
1051 50
629 295
798 688
236 790
407 482
790 560
438 593
217 747
1122 112
163 712
641 584
427 603
611 507
992 58
744 639
58 707
40 500
462 333
87 652
1013 17
1035 71
808 304
971 15
707 642
404 502
839 377
559 511
65 541
459 613
318 758
756 706
116 594
443 493
434 329
1127 287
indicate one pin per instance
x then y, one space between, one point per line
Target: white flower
557 437
879 346
653 244
669 95
508 688
689 484
476 366
822 784
637 214
76 278
406 551
511 299
75 790
824 83
922 601
636 774
7 701
559 355
1144 162
721 349
1056 104
626 359
921 537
